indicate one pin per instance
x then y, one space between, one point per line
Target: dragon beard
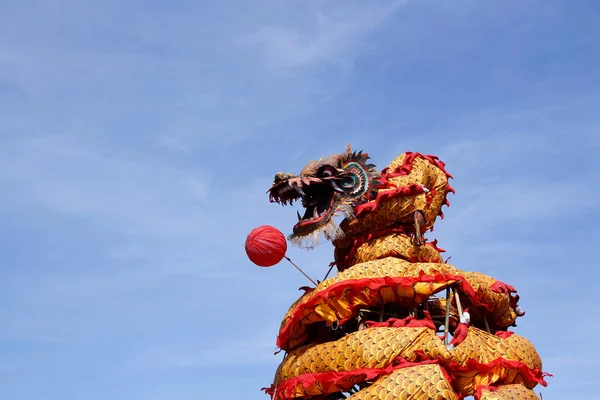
329 227
326 188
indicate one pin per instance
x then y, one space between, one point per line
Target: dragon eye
326 171
348 182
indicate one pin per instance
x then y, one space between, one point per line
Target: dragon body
382 328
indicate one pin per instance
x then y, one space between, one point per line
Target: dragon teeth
299 189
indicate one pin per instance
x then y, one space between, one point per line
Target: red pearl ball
266 246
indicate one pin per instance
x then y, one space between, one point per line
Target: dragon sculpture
382 328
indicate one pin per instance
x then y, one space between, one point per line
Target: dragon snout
281 176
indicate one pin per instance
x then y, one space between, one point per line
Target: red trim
306 289
501 287
480 389
269 390
530 374
407 166
374 284
467 289
433 243
331 382
403 170
504 334
335 381
408 322
514 299
411 190
492 389
365 237
460 334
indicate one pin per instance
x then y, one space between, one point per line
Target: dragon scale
382 328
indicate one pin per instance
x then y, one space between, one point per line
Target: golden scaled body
374 331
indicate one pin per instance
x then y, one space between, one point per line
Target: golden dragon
382 328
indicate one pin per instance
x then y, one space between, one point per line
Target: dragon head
326 187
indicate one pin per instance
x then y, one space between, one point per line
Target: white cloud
333 36
513 179
122 194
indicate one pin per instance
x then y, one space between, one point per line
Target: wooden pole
330 268
458 305
485 322
360 319
302 272
447 319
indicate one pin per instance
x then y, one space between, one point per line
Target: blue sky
138 138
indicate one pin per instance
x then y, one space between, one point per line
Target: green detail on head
325 188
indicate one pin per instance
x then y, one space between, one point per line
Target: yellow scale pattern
422 382
400 209
367 348
508 392
393 245
325 305
377 260
377 348
485 348
333 307
498 304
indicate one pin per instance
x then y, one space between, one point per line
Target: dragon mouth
317 196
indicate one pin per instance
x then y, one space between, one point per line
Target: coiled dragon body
378 329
